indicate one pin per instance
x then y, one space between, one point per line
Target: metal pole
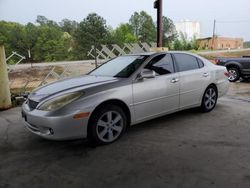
5 99
213 35
159 23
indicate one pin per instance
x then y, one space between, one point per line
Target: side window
161 64
186 62
200 62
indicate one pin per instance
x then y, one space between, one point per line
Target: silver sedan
122 92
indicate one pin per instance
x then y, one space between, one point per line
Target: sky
233 16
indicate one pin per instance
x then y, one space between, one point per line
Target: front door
158 95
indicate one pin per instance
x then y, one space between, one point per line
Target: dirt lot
185 149
26 78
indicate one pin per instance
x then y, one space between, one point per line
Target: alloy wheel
210 98
109 126
232 74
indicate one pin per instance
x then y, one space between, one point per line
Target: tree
68 26
42 20
16 36
143 27
124 34
91 31
5 35
169 32
31 35
182 43
51 45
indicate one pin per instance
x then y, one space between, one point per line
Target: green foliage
68 26
43 21
182 43
169 32
51 45
91 31
143 27
123 34
247 44
48 40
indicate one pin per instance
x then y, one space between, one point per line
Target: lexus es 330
122 92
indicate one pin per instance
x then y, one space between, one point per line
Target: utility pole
5 100
213 35
158 6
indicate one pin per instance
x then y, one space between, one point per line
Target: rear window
200 62
186 62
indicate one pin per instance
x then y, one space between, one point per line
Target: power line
234 21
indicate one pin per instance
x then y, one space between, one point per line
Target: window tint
200 62
161 64
186 62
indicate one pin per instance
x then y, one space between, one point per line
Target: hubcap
109 126
232 75
210 98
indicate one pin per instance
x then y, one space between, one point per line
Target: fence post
5 99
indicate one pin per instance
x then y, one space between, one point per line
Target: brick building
220 43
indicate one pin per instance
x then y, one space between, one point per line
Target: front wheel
107 125
209 99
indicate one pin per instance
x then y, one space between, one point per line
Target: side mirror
146 73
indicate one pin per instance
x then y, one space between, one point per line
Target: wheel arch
214 85
209 85
202 105
233 64
116 102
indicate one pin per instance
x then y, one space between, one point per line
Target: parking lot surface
185 149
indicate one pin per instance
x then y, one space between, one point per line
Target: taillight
226 74
217 61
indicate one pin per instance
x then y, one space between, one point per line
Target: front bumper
60 127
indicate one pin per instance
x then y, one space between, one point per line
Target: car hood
82 82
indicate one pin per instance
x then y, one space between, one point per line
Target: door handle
205 74
174 80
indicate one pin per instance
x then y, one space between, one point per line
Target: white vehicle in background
121 92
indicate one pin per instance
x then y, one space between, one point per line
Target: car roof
163 52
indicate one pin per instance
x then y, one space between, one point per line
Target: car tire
234 74
209 99
107 125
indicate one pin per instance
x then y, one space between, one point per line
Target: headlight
59 102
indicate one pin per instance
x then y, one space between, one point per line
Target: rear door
193 79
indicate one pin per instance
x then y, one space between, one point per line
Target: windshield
122 66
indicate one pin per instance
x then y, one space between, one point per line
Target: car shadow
163 121
245 80
81 144
82 147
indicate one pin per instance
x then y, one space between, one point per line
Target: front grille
32 104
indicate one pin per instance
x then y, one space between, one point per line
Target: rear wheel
107 124
234 74
209 99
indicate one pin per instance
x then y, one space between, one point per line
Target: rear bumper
222 87
63 127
